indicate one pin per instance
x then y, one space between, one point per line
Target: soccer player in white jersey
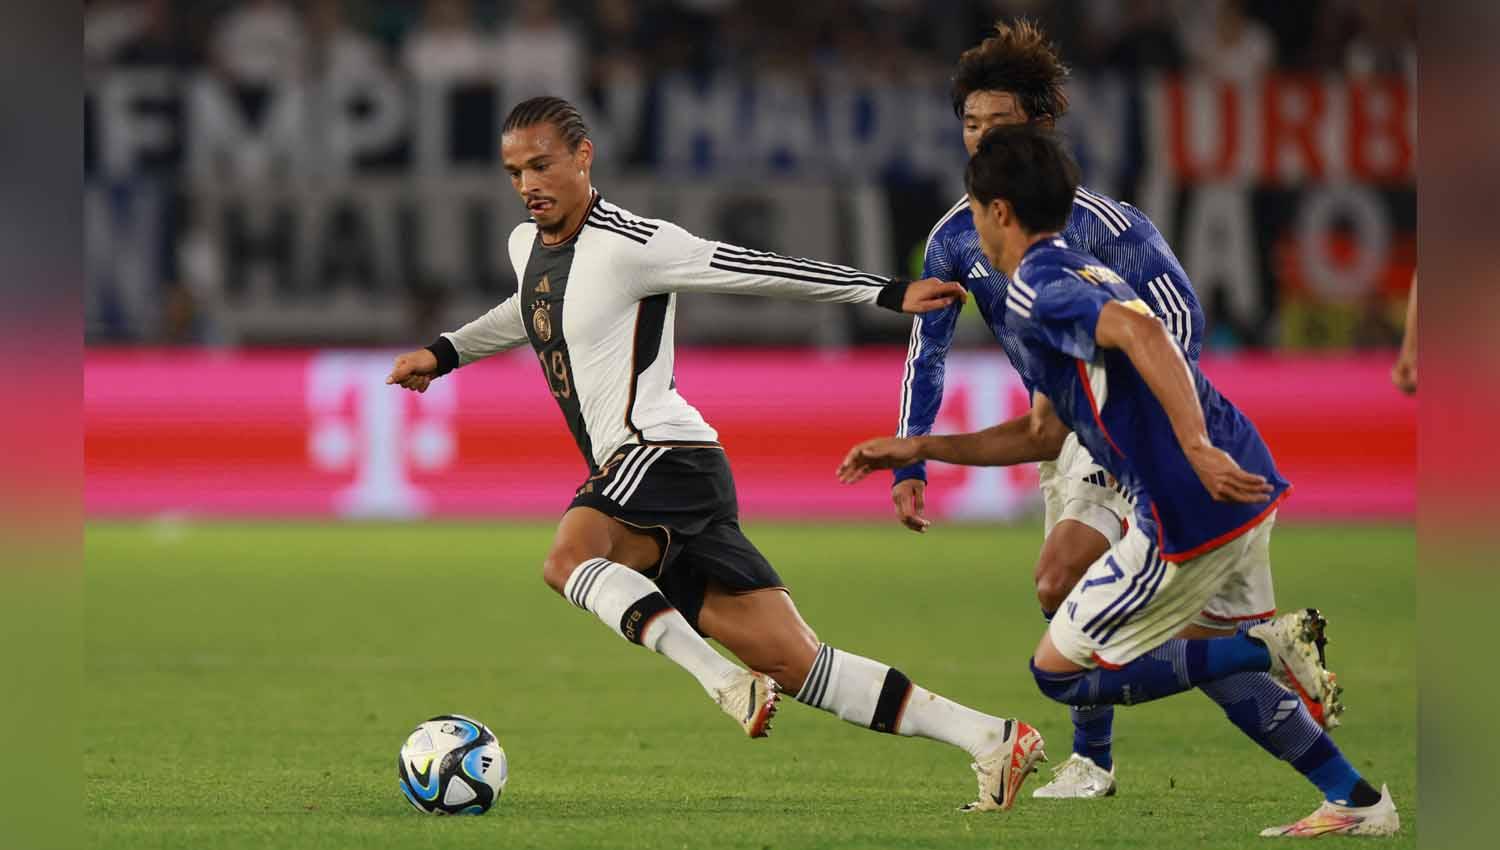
651 543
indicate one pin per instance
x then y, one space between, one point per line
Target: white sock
868 693
930 715
631 605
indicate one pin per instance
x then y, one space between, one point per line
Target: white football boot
1296 643
1078 778
1333 819
1001 771
750 698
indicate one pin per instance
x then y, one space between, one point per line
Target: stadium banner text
324 214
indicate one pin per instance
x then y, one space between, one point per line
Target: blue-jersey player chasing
1204 485
1016 76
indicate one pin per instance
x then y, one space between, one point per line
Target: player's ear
1002 211
584 156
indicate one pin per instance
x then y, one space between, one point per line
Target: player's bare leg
764 629
595 562
1070 549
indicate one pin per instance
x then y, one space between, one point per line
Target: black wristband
893 294
446 354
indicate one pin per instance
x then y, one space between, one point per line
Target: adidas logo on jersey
977 271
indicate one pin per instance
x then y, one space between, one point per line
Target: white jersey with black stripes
610 293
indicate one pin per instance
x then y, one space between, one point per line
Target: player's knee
1054 581
1057 676
1061 687
559 565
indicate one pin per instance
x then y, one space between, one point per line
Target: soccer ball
452 765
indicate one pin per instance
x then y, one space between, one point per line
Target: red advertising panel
319 434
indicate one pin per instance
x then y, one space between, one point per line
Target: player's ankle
1363 795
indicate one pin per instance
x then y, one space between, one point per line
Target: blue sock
1175 666
1326 767
1093 727
1093 733
1273 717
1276 719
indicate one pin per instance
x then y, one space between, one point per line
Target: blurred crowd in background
568 46
324 172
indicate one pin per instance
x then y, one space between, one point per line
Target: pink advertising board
317 434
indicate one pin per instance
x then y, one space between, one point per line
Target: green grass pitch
249 686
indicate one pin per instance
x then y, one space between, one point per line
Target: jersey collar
1054 241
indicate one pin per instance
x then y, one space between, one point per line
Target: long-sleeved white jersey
598 309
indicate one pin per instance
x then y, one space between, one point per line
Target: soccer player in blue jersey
1204 484
1015 76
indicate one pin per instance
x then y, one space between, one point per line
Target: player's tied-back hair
1018 59
549 110
1027 165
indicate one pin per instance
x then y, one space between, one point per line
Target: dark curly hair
1018 59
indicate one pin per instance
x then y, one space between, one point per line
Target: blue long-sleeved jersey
1052 312
1117 233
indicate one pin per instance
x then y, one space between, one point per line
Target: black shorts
685 496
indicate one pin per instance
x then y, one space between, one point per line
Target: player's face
985 110
552 181
997 231
984 225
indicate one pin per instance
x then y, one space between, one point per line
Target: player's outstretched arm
675 260
500 329
1024 439
925 296
922 386
414 370
1144 339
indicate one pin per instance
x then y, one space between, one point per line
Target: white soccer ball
452 765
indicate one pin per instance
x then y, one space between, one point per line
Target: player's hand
879 453
1225 480
414 370
890 453
1404 373
909 499
924 296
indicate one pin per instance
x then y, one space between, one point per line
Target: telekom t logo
378 432
988 391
